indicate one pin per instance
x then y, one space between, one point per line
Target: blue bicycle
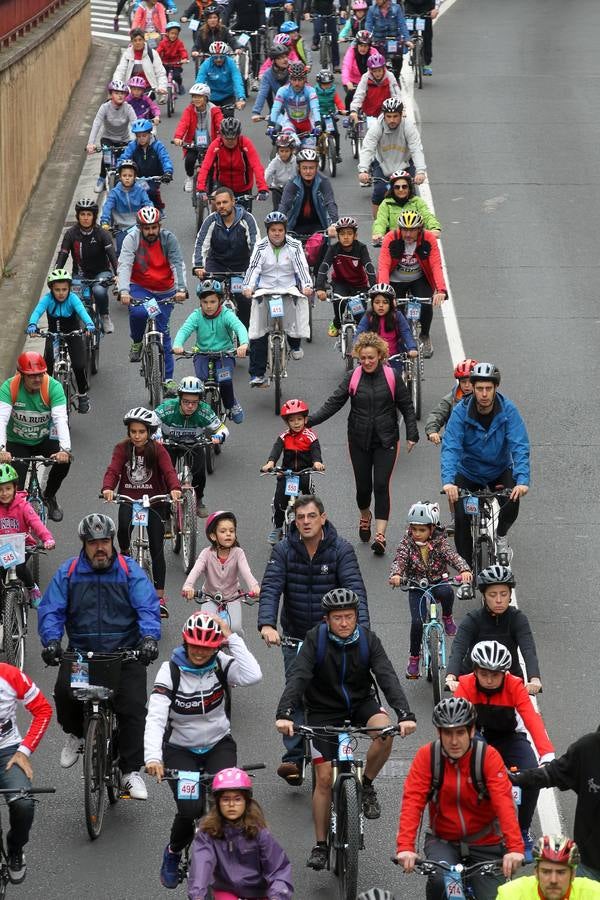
433 642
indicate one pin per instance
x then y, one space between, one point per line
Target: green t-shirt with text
31 420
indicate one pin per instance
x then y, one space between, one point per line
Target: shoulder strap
124 566
437 770
222 676
356 376
391 379
363 646
175 678
150 54
72 565
477 756
321 644
15 384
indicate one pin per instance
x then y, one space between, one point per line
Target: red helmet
214 519
293 408
31 363
556 848
463 369
201 630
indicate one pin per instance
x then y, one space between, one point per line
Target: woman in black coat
376 393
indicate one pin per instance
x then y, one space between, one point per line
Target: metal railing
19 16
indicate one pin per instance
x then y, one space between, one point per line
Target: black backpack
479 747
221 675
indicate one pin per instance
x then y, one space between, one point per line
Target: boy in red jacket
232 161
173 53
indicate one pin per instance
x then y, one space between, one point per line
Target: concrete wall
37 76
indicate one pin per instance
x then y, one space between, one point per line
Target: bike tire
4 879
348 838
348 341
113 787
95 351
485 557
415 386
276 376
155 386
355 145
189 534
210 459
170 102
331 156
324 53
13 628
434 662
176 528
322 158
418 64
310 320
94 767
201 212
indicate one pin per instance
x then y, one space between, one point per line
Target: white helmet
140 414
199 89
421 514
491 655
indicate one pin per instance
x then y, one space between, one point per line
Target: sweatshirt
278 172
392 147
122 205
212 335
19 517
71 306
128 473
223 574
113 123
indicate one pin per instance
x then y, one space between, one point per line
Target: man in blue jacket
485 445
105 602
151 158
271 80
385 20
223 77
311 561
308 200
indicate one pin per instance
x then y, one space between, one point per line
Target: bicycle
110 157
411 307
292 490
482 506
355 132
326 41
152 363
14 599
94 679
63 370
140 514
243 59
416 29
326 146
35 498
351 311
172 87
308 754
14 794
212 394
83 288
221 602
183 514
433 641
412 372
456 877
199 205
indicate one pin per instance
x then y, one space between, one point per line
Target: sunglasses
400 187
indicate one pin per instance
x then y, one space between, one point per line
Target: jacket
329 101
101 610
16 689
224 81
71 306
144 107
402 338
19 517
373 411
213 334
256 867
155 16
92 251
250 14
458 812
342 682
526 888
268 85
370 94
409 562
392 25
440 414
154 71
278 272
172 52
235 167
351 266
223 575
226 248
188 123
151 160
351 74
292 107
303 581
278 173
127 472
510 628
187 429
133 248
389 210
121 206
322 197
204 37
427 253
300 451
393 148
112 122
480 455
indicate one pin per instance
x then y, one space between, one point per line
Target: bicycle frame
482 507
292 490
433 640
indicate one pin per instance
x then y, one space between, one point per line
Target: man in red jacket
465 824
232 161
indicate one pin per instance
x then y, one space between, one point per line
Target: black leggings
418 288
509 510
156 539
372 472
75 346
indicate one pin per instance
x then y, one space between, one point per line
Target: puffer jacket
373 411
409 562
511 628
121 206
351 74
303 581
214 334
389 210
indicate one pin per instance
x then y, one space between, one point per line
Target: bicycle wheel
331 156
434 662
176 527
188 534
170 100
348 341
484 556
94 767
325 52
322 154
13 628
95 348
348 840
276 372
354 143
418 63
415 385
155 386
113 787
310 320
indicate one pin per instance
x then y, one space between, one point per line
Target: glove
167 177
263 195
148 651
90 328
271 130
106 226
52 653
31 329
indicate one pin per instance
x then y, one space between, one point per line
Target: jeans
509 510
293 745
99 292
418 604
259 351
484 886
138 318
20 813
327 25
225 387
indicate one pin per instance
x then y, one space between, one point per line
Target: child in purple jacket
145 108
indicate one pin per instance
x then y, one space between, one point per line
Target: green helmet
7 474
59 275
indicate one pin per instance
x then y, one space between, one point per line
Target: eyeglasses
400 187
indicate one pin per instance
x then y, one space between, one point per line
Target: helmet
86 205
141 126
219 48
294 408
140 414
199 89
463 369
373 893
202 630
230 127
232 780
485 371
392 104
7 474
148 215
209 286
59 275
214 519
420 514
339 598
212 10
96 527
495 575
287 27
453 712
190 385
127 164
282 40
434 509
406 176
297 70
173 25
118 86
346 222
382 288
410 219
491 655
276 218
376 61
363 36
556 848
31 363
359 4
278 50
308 154
325 76
285 140
137 81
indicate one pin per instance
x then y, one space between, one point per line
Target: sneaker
17 867
364 528
297 354
528 841
35 596
54 510
169 871
449 626
164 609
181 89
188 185
333 330
427 70
201 510
275 536
237 413
99 186
370 803
133 784
378 545
83 404
255 85
170 387
412 669
135 351
71 750
107 324
290 772
257 381
116 24
503 551
318 858
426 347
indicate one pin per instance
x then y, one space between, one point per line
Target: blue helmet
173 25
209 286
287 27
140 126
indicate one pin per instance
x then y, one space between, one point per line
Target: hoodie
19 517
121 206
212 334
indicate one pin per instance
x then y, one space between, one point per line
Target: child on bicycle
216 326
438 417
144 106
123 202
172 51
301 450
352 271
112 126
424 553
388 322
17 516
140 465
282 167
223 563
233 850
330 103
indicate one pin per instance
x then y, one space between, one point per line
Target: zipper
344 691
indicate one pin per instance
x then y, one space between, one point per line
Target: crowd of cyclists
492 745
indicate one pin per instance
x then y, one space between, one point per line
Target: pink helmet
232 780
137 81
283 40
359 4
375 61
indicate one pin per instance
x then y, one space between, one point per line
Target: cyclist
173 53
215 326
325 21
104 602
388 322
223 77
330 104
249 17
151 158
496 620
429 9
16 772
340 687
139 59
438 417
355 61
64 309
151 17
151 262
301 450
556 859
232 161
485 445
144 107
352 271
401 196
112 125
424 553
282 167
355 22
184 419
92 253
199 124
468 823
296 107
278 265
410 260
504 710
292 30
123 202
187 725
34 422
386 20
308 200
280 42
310 561
212 30
376 85
271 80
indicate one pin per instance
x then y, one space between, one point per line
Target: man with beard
105 602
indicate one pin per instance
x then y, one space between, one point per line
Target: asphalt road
510 132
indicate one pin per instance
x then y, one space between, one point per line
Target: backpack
363 646
15 384
313 248
357 375
479 747
221 675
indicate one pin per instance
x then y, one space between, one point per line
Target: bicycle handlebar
484 493
206 776
61 334
324 730
430 866
44 460
243 596
277 470
102 656
123 498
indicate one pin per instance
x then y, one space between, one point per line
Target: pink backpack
313 248
357 375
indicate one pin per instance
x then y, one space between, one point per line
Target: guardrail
19 16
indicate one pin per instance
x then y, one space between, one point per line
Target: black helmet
339 598
495 575
376 894
230 127
485 371
453 712
95 527
86 205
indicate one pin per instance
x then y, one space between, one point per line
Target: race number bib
80 674
188 786
292 485
201 138
276 307
413 310
392 45
345 753
194 24
419 24
243 39
471 505
223 375
516 794
8 556
107 156
356 306
236 284
139 515
329 124
152 308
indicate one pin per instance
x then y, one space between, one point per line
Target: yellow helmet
410 219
